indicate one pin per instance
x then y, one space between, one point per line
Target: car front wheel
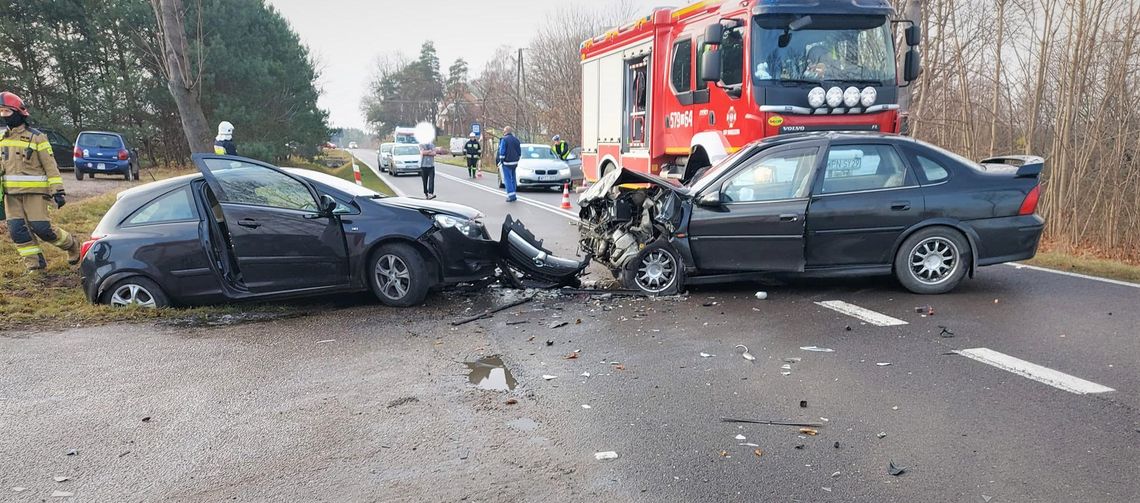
933 260
399 275
656 270
135 291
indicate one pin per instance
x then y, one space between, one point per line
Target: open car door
279 239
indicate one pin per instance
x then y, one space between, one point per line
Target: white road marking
537 204
1054 378
866 315
1076 275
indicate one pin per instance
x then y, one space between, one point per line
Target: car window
732 56
853 168
99 140
772 177
406 150
680 75
57 138
537 152
386 147
172 207
246 183
931 169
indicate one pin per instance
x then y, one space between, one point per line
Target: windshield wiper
797 81
860 81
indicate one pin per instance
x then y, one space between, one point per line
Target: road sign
476 129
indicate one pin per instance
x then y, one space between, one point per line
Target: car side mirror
913 65
913 35
710 65
328 205
714 34
711 199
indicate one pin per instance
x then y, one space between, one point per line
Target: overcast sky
347 36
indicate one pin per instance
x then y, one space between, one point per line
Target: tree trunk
180 81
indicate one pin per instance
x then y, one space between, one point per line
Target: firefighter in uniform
560 148
224 142
472 149
30 179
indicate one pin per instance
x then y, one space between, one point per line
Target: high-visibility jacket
27 164
561 150
225 147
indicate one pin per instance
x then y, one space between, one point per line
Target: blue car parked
104 153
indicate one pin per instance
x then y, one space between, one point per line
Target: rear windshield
99 140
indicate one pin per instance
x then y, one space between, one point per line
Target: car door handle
900 206
789 217
249 222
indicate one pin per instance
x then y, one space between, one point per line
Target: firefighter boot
67 243
33 256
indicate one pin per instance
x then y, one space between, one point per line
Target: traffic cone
566 197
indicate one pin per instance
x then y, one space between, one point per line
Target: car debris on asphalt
925 310
895 470
549 377
706 355
61 479
62 494
747 356
605 455
488 313
946 333
809 431
770 422
882 434
762 295
817 349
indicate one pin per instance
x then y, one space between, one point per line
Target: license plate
101 166
547 178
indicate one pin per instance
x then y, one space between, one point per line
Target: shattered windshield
831 48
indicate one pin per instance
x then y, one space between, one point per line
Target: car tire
398 275
78 174
933 260
656 270
135 291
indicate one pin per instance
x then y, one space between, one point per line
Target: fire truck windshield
854 49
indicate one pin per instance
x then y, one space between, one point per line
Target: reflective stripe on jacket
27 164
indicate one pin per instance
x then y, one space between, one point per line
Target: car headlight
851 96
817 97
469 228
834 97
868 96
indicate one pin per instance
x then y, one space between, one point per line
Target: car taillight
86 246
123 155
77 153
1029 205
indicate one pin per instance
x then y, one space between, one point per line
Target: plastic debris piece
895 407
765 421
786 366
741 437
946 333
809 431
800 446
749 444
724 454
585 374
836 475
559 324
572 356
828 489
706 355
549 343
19 489
619 367
792 360
72 452
146 419
824 419
512 401
817 349
895 470
602 456
786 373
61 479
837 444
584 406
758 452
61 494
761 295
803 404
882 434
925 310
987 499
549 377
883 364
747 356
847 328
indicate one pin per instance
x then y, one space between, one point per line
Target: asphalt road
369 403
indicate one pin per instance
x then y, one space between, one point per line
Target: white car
384 156
352 144
539 168
405 159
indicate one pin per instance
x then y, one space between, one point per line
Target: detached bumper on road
523 251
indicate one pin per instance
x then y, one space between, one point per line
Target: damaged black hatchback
822 204
244 230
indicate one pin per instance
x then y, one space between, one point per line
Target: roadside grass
338 163
462 162
1086 264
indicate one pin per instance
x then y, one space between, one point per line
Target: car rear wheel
933 260
656 270
136 291
399 275
78 174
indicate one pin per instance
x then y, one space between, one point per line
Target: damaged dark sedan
819 204
245 230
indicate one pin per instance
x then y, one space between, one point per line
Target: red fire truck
679 89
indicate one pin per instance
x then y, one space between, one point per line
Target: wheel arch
957 225
113 278
429 256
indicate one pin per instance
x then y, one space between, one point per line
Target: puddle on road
490 373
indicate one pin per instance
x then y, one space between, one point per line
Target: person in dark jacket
224 142
510 150
473 150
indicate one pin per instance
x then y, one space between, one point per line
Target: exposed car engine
615 227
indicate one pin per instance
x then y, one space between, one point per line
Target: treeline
97 64
1054 78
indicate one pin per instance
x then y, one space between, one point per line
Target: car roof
100 132
788 138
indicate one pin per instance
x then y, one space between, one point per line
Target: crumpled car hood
618 177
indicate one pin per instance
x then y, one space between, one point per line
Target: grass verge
1089 265
338 163
462 162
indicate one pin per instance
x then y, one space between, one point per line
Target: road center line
866 315
1054 378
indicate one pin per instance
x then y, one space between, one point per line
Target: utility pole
518 91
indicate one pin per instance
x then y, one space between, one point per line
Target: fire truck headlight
868 96
851 96
834 97
817 97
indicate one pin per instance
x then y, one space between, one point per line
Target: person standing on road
224 142
560 148
427 169
510 150
31 179
473 150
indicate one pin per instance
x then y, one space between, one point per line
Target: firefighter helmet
225 130
13 102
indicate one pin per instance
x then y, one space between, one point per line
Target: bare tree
182 79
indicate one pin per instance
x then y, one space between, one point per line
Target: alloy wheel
392 277
656 272
132 295
934 260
